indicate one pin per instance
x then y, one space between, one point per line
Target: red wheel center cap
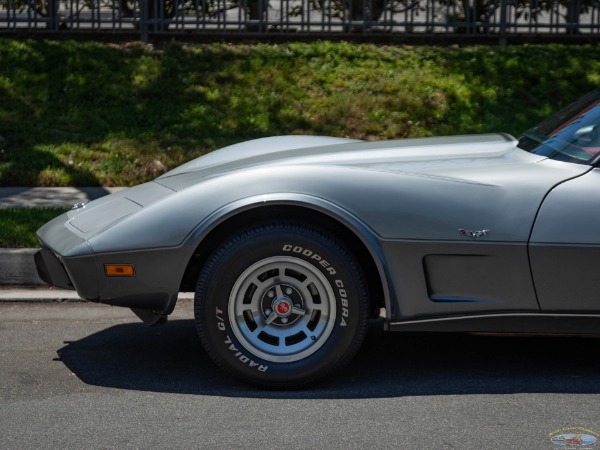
283 307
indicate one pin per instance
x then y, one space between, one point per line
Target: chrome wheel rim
282 309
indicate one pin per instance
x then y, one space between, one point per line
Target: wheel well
297 214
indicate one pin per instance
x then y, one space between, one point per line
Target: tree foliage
477 15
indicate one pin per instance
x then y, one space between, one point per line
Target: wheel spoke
298 311
318 307
278 290
260 286
271 318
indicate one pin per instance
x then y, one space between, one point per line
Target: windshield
571 135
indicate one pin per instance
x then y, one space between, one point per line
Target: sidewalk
17 268
48 294
56 197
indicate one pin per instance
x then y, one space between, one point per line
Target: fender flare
363 232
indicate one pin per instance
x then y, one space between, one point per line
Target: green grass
89 113
18 225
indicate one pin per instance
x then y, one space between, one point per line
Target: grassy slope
18 226
74 113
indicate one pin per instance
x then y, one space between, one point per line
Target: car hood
408 154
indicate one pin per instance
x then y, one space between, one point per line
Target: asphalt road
78 375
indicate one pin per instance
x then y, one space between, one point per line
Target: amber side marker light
119 270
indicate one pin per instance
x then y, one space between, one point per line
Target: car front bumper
154 287
51 270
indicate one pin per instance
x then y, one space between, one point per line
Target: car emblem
473 234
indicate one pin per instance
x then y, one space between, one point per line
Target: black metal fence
396 19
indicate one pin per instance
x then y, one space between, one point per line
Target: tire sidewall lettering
237 352
337 284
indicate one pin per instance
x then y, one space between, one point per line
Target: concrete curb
21 294
61 197
19 281
17 267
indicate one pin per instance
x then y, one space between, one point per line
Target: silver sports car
291 244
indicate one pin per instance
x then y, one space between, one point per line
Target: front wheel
281 305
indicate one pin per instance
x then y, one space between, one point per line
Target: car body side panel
566 277
412 205
435 278
565 246
571 213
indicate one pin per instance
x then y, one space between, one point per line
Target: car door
564 247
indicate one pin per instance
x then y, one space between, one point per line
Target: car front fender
358 228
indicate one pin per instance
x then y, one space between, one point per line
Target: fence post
503 23
144 20
53 14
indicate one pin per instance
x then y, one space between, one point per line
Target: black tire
281 305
